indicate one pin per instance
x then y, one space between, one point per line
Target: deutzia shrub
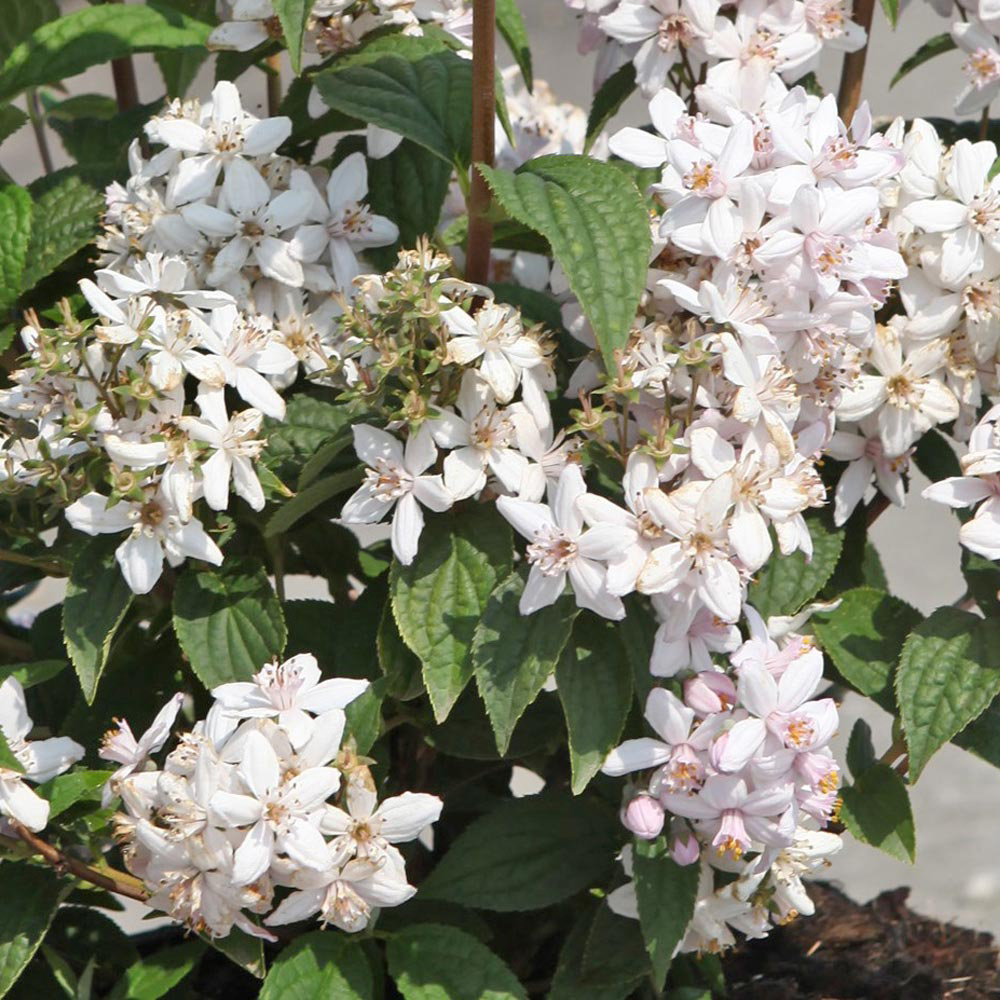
416 440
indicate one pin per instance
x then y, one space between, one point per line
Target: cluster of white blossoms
30 760
336 25
743 770
226 267
263 808
736 49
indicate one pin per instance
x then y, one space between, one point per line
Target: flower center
982 67
674 30
552 551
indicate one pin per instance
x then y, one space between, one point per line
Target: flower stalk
483 140
853 72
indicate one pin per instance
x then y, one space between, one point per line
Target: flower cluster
240 810
740 776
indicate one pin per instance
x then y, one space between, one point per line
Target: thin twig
112 880
273 74
853 72
46 566
874 510
37 117
477 266
984 124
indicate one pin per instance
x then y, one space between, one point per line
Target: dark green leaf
179 67
513 654
436 962
598 228
228 621
15 224
438 600
876 810
594 681
244 949
527 854
934 47
97 598
935 457
158 973
291 512
615 955
93 36
510 24
364 716
572 981
21 19
11 119
949 672
864 636
320 964
860 751
666 893
611 95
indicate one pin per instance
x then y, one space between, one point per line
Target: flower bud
643 816
685 850
709 693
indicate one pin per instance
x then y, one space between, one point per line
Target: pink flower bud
685 850
643 816
709 692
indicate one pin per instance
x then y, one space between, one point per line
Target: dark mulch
879 951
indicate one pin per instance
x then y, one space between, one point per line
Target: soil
879 951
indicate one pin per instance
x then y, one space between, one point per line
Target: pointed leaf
876 810
513 654
573 980
97 598
611 95
931 48
438 600
510 24
293 15
598 227
157 974
313 496
228 621
320 964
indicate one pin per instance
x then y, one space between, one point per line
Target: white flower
155 530
560 547
861 447
982 66
39 760
397 478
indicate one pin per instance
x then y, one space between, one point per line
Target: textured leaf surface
64 220
785 583
158 973
320 964
28 902
864 637
527 854
93 36
97 598
438 600
949 672
510 24
514 654
15 224
228 621
594 681
876 810
666 894
436 962
598 227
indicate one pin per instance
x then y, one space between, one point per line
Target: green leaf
64 220
982 576
935 457
610 96
436 962
594 681
438 600
860 751
401 667
7 759
158 973
15 224
30 674
931 48
318 493
785 583
66 790
11 119
94 36
513 654
416 87
615 954
949 672
364 716
97 598
891 8
666 894
320 964
527 854
244 949
876 810
228 621
598 228
293 15
982 735
864 636
20 20
28 903
510 24
536 307
573 981
310 422
179 67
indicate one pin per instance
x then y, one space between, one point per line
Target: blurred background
957 801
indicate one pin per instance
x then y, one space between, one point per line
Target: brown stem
113 881
874 510
477 264
123 73
38 126
52 568
984 124
273 74
854 63
897 750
